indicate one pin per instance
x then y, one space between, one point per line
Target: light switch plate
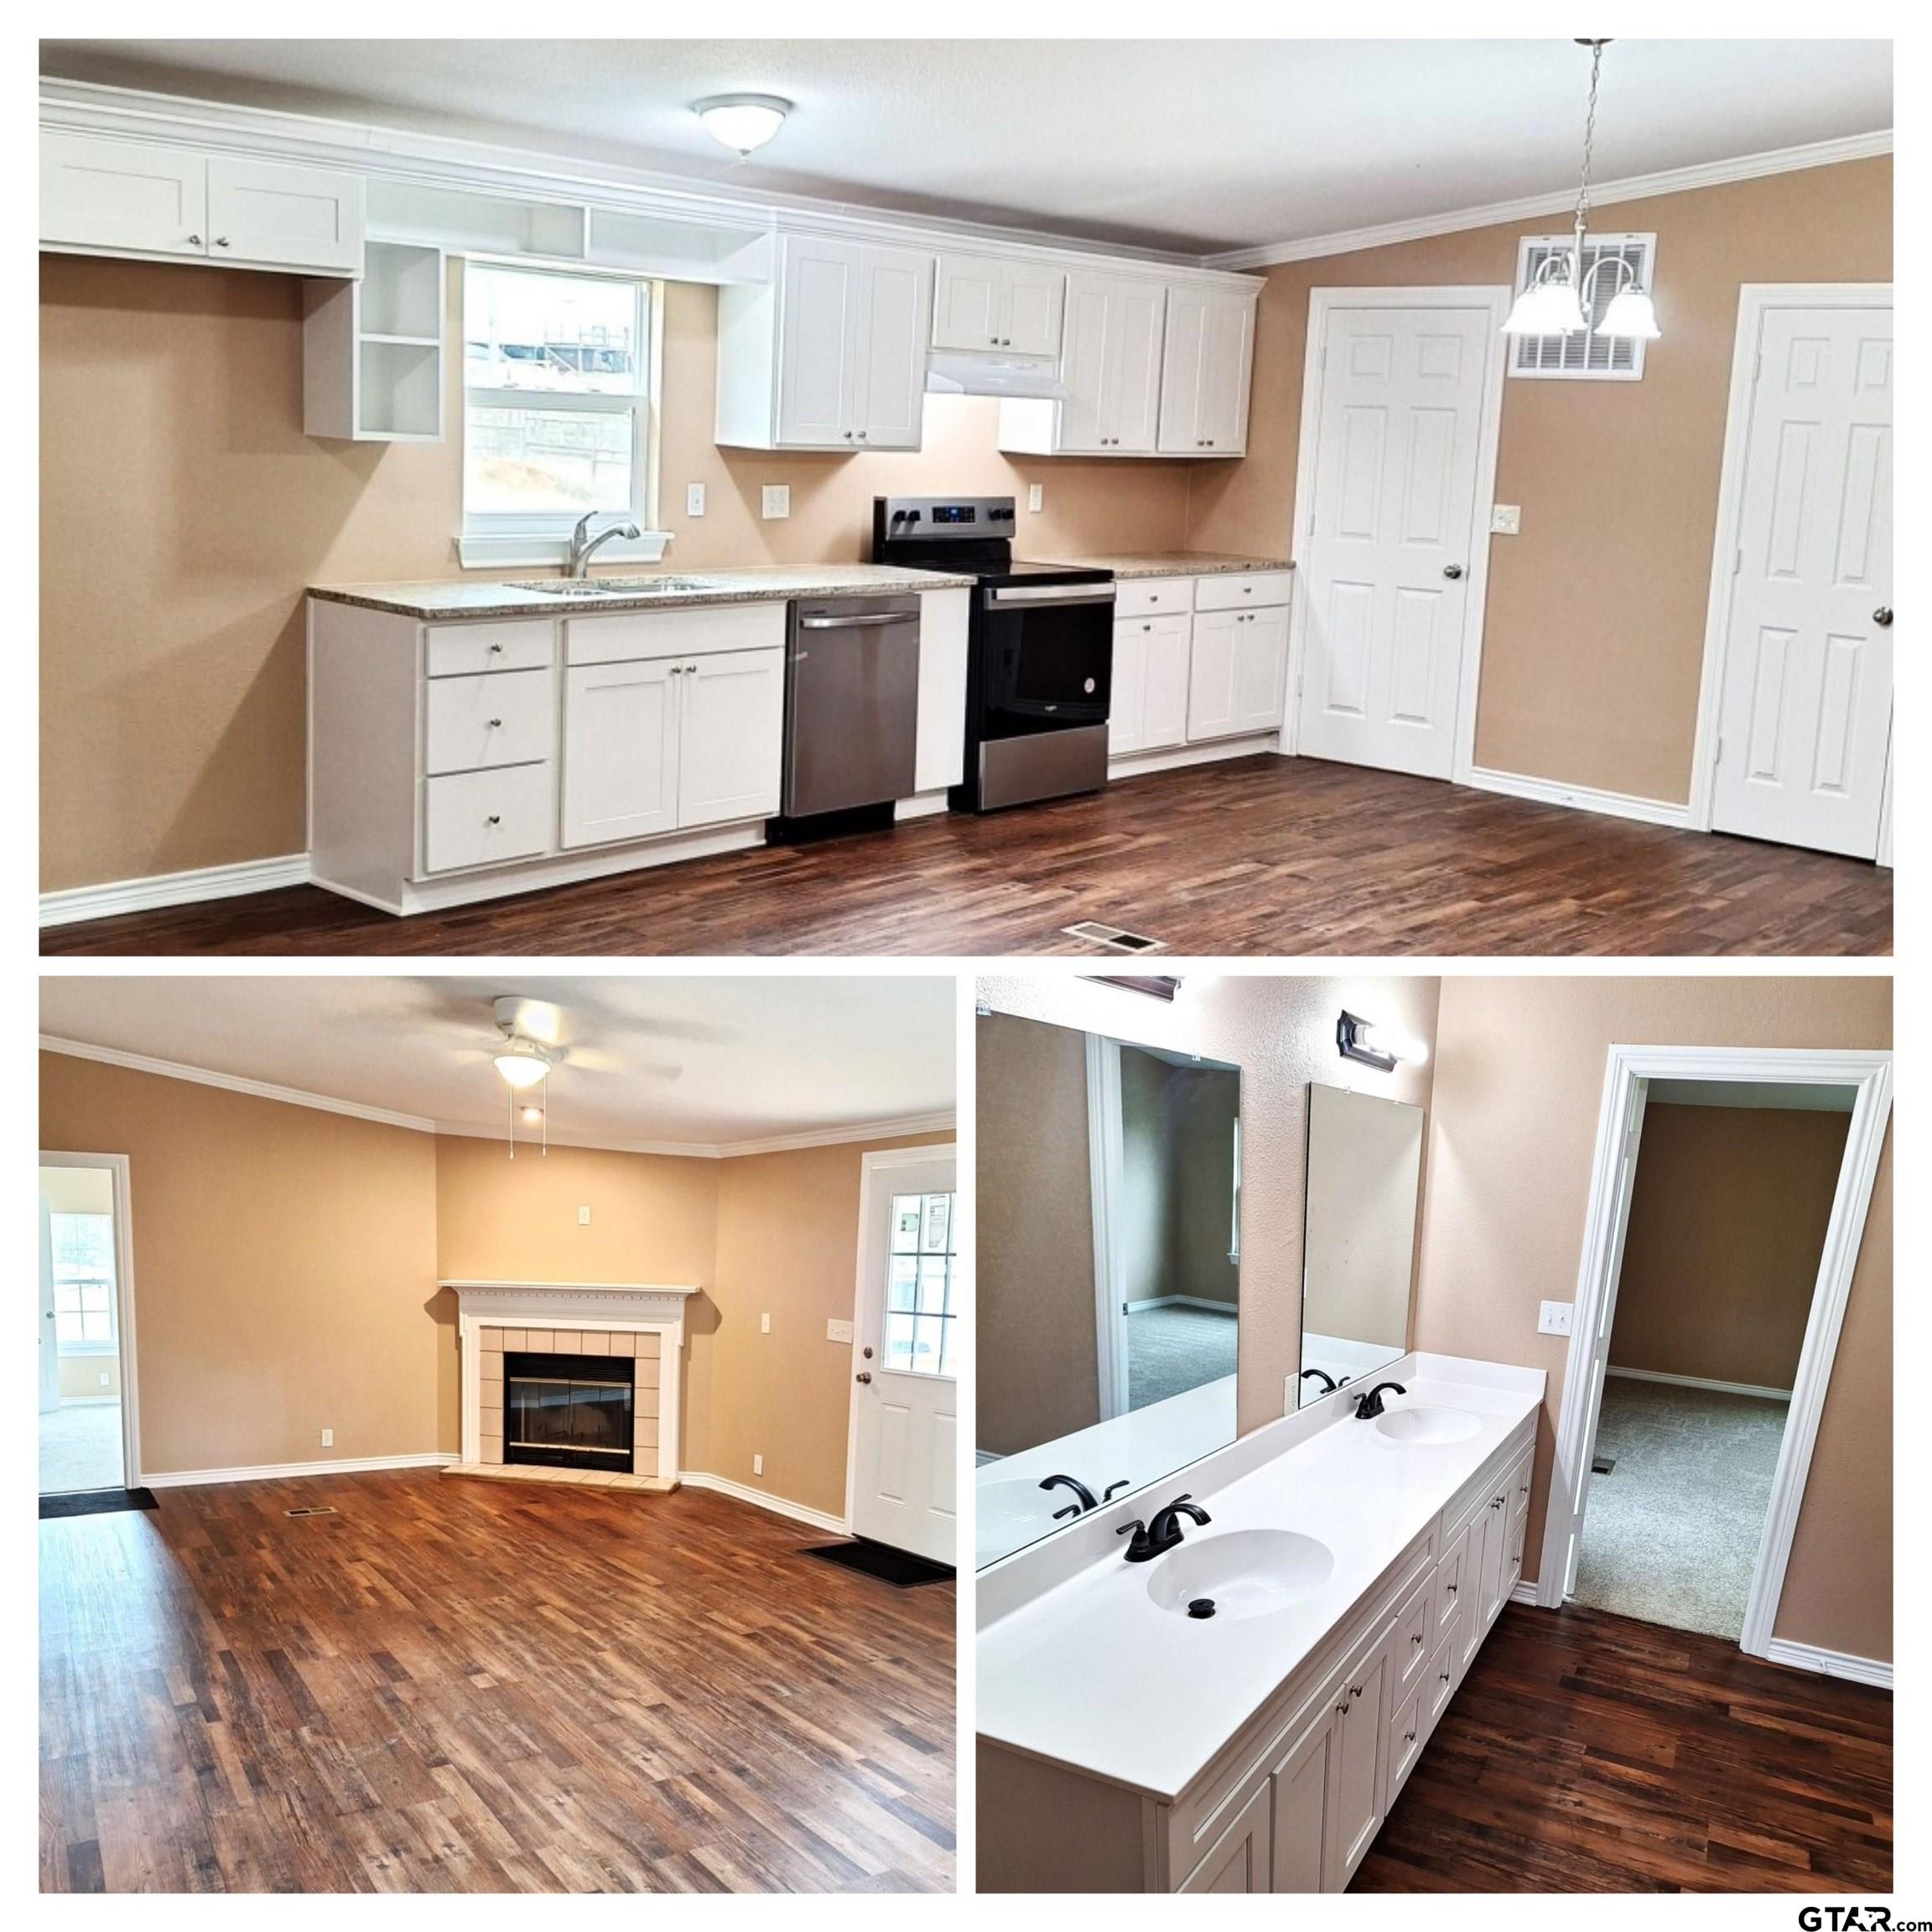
776 500
1035 496
764 1324
1556 1318
582 1217
838 1332
1506 519
693 498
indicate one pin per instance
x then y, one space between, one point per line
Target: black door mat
902 1570
96 1502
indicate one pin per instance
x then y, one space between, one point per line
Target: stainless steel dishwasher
851 712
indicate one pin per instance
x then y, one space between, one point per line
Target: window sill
101 1348
517 551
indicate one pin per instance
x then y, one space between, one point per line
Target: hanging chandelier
1557 301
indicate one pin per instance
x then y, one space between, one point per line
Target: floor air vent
1603 1465
313 1510
1115 938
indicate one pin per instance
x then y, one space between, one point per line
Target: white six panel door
1805 718
906 1417
1387 563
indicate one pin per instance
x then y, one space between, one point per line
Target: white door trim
1105 1162
1756 300
118 1167
1870 1072
866 1290
1496 299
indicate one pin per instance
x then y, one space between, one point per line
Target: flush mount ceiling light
1359 1039
1557 301
523 1063
742 122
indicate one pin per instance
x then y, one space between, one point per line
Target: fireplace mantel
656 1306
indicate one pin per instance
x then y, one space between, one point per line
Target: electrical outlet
838 1332
757 1465
1035 496
106 1378
693 498
582 1217
1556 1318
328 1438
1506 519
776 500
764 1324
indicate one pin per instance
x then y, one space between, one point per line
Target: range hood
961 375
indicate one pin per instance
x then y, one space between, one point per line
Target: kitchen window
559 412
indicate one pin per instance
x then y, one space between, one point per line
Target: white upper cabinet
832 355
983 304
1111 366
135 198
1209 353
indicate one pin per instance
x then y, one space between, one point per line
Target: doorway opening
1728 1205
85 1326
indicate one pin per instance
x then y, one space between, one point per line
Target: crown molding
1533 207
889 1129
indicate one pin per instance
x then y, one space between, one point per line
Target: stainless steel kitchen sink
618 586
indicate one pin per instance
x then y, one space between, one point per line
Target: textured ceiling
662 1060
1191 145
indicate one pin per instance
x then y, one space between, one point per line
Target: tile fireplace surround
645 1321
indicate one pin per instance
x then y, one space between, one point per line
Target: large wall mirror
1108 1270
1358 1256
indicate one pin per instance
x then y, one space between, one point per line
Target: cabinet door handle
1451 1588
677 670
495 650
692 669
496 724
1444 1676
194 241
1354 1690
1417 1638
221 241
1408 1737
495 819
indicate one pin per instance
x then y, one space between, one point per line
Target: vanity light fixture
1359 1039
742 122
1557 301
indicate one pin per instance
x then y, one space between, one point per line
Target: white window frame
1631 241
111 1345
488 541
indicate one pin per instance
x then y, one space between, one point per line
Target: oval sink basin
1007 1515
1246 1572
1428 1424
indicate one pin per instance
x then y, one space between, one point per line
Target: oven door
1046 656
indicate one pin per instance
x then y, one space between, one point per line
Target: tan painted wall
284 1270
1727 1224
1519 1083
1038 1373
183 510
1595 627
787 1246
1280 1032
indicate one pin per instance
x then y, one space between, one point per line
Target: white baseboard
281 1472
779 1505
1523 1593
921 805
1698 1382
1183 1302
78 902
1829 1663
1581 797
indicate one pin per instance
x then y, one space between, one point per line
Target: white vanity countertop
764 584
1092 1675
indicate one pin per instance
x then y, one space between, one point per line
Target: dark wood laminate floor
1589 1753
1259 856
461 1686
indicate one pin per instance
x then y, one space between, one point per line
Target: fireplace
568 1411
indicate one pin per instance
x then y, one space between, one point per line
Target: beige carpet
1671 1535
80 1447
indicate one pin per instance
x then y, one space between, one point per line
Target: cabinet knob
1444 1676
496 724
1417 1638
1354 1690
1451 1588
861 435
194 241
692 668
495 819
495 650
1408 1736
221 241
677 670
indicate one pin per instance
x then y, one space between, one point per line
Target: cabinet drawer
472 722
1408 1732
482 817
1452 1579
626 635
1153 596
463 650
1414 1625
1237 591
1444 1661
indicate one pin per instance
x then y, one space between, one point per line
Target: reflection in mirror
1107 1221
1364 1176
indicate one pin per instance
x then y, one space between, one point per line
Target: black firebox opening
570 1411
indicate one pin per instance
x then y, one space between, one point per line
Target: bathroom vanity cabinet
1295 1798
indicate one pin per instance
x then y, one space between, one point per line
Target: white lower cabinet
1241 1859
1149 709
621 730
730 736
1305 1781
484 817
1237 672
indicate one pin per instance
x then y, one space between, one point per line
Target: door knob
864 1375
1451 569
1882 616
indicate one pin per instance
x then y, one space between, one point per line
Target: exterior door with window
1805 717
905 1354
1391 538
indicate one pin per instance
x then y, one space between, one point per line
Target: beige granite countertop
1176 563
763 585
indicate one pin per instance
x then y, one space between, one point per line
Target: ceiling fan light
521 1064
742 122
1631 314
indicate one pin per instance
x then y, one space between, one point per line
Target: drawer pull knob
1444 1676
1408 1737
495 819
495 650
1417 1638
1450 1588
496 724
1354 1690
